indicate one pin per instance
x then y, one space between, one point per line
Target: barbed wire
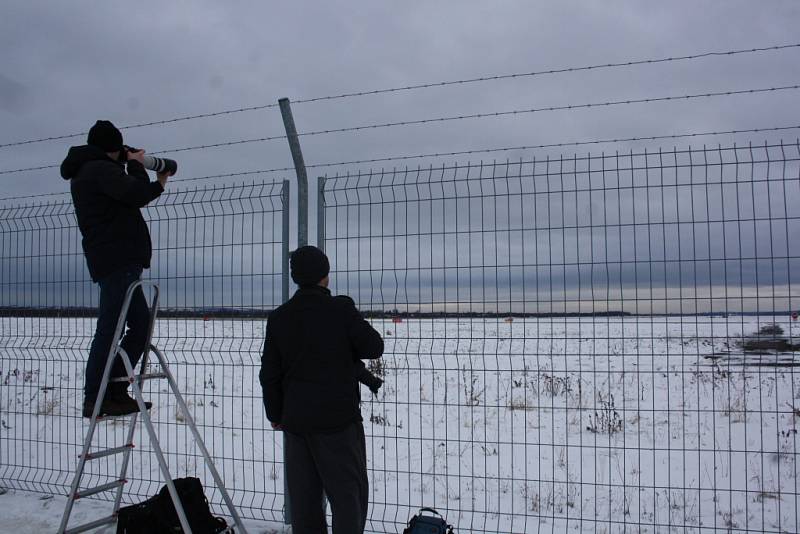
553 145
169 151
143 124
459 153
550 71
218 145
27 169
233 174
428 85
508 149
453 118
550 108
37 195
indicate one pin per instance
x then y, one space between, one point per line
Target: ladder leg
148 423
123 470
78 473
142 370
199 440
129 439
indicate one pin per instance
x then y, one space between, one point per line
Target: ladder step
111 417
100 489
150 376
93 524
107 452
145 376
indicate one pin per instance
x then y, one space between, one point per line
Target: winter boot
118 392
109 407
116 402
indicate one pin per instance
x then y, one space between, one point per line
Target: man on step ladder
117 246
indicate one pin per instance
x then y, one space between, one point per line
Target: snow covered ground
648 424
25 512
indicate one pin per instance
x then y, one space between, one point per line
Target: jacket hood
77 157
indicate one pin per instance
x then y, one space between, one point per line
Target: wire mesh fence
591 342
597 343
217 257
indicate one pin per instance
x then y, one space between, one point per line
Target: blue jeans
112 294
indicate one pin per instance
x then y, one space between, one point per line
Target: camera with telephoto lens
153 163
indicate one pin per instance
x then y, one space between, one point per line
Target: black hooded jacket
107 202
308 371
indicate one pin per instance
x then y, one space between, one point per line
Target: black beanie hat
105 136
309 265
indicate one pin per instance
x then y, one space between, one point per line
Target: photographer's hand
162 178
137 156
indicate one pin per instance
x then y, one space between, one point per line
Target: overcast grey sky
66 64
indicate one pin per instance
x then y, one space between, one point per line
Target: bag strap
449 526
427 509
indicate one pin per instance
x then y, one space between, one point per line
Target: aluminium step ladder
125 449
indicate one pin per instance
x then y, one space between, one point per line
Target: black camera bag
157 514
426 524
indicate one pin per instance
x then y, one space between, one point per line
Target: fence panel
218 260
590 343
597 343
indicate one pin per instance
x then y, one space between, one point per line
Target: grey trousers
335 463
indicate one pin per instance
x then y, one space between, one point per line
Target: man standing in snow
117 246
308 376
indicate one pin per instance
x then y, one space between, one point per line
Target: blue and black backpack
426 524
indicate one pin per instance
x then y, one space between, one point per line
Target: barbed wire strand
457 117
429 85
551 145
551 108
458 153
453 118
142 124
551 71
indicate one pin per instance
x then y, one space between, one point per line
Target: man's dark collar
310 290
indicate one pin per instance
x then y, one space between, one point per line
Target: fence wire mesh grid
598 343
217 259
590 343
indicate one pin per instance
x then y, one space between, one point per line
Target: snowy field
649 424
27 512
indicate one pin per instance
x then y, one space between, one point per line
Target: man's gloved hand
374 384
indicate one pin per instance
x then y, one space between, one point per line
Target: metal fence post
285 244
302 238
300 170
287 517
321 213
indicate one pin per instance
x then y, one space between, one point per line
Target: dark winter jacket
107 202
307 370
